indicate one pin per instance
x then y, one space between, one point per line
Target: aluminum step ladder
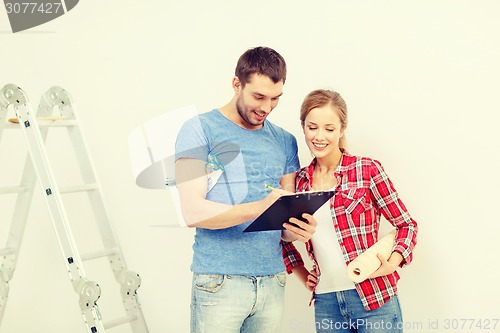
37 167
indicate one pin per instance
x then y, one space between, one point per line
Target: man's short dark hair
261 60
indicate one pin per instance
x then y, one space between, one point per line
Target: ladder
37 167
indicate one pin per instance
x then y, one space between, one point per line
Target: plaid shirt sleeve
393 209
291 256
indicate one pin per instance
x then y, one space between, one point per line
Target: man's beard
245 116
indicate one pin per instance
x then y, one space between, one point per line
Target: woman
348 225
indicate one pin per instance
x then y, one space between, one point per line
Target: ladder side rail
57 97
107 231
3 114
20 217
21 209
88 291
50 193
8 259
36 166
97 200
129 281
23 203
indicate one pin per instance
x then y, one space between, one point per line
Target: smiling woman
348 225
332 107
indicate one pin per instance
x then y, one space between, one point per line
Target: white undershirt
329 255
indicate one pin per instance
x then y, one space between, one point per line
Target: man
223 159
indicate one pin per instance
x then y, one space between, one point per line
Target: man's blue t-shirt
249 159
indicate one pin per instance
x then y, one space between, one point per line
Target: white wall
421 82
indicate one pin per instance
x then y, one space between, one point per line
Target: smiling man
223 158
255 99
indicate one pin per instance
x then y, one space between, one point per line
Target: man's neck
231 113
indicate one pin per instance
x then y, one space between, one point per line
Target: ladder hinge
27 123
70 260
93 329
48 191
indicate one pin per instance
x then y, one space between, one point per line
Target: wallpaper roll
367 262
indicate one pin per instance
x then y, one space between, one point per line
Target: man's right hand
272 197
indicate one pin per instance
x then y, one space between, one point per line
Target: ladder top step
50 118
58 121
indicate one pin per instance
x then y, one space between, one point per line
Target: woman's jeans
343 312
234 303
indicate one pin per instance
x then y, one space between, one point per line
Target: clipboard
287 206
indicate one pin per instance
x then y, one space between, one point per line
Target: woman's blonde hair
322 97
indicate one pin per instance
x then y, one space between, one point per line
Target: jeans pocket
281 278
209 282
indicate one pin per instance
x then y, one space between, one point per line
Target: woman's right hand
312 280
308 278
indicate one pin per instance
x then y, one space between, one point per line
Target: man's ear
237 86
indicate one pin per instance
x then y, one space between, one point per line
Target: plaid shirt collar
305 175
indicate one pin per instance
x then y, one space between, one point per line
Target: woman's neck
329 162
324 172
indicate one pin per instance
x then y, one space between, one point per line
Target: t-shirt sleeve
292 157
192 141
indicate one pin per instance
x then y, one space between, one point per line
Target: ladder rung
10 125
4 252
50 121
78 188
56 123
120 321
98 254
12 189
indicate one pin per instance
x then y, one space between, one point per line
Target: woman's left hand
388 266
302 230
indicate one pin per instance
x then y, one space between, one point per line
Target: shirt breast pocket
354 201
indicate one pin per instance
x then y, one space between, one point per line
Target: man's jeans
235 303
